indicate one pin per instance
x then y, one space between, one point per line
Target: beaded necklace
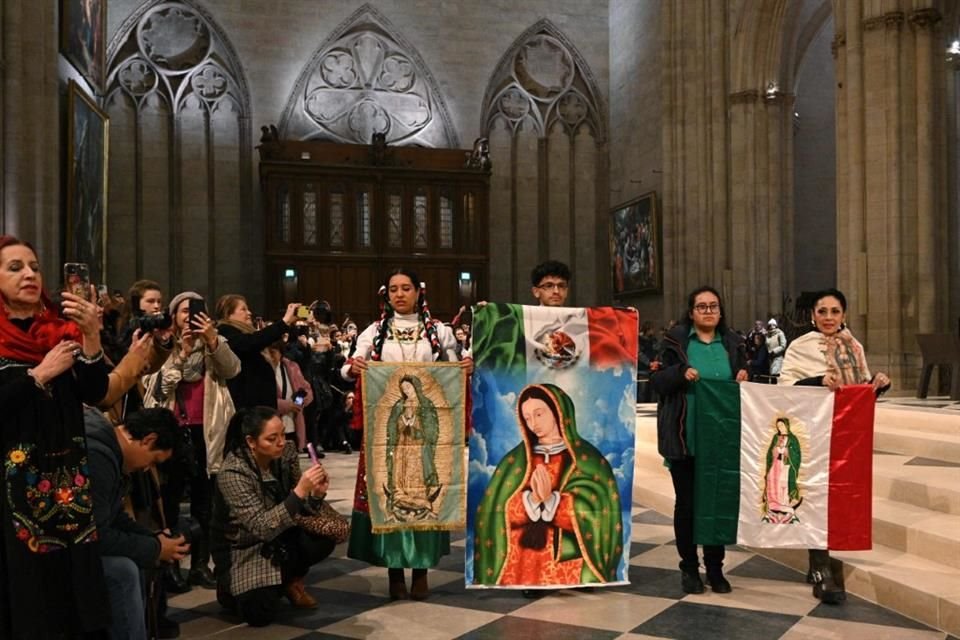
406 335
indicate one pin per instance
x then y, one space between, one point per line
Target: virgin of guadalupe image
781 496
551 513
413 429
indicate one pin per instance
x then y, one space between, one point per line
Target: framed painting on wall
87 153
636 263
83 28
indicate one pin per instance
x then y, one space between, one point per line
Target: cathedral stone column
697 226
30 128
728 148
889 214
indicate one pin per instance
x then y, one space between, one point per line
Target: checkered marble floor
768 601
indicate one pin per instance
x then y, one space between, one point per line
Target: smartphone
313 453
194 309
303 312
103 290
299 397
76 279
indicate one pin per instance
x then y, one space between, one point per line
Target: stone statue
479 158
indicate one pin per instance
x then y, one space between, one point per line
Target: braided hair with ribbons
387 311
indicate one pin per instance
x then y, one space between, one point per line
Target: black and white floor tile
769 601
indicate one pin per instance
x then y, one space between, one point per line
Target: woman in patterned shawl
830 357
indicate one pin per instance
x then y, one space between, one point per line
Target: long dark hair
537 393
246 422
386 312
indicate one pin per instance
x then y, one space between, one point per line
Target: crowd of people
121 409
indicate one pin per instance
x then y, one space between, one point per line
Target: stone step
911 441
930 486
942 422
907 528
898 578
912 586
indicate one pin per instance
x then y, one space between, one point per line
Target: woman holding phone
261 551
193 384
51 577
256 384
293 394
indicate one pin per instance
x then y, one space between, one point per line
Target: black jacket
667 378
119 534
256 384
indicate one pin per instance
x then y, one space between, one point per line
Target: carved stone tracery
172 50
366 79
544 80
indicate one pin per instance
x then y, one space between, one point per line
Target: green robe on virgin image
598 536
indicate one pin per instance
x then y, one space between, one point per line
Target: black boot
174 580
690 581
717 582
825 585
200 574
398 584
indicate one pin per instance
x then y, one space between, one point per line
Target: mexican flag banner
787 467
551 451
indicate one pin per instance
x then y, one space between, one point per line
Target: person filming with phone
256 385
271 522
294 394
193 384
51 578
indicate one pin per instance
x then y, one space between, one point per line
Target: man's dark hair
549 268
162 422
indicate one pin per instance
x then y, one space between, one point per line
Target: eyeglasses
713 307
548 286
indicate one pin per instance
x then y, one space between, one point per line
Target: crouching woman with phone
262 501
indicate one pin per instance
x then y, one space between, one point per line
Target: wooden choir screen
338 217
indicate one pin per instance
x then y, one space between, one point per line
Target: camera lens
154 321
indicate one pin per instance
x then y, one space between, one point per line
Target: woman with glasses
699 347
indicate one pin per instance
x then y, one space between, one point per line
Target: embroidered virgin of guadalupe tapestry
784 466
552 446
414 443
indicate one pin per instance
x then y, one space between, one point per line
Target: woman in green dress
404 333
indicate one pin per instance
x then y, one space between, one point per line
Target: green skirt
398 550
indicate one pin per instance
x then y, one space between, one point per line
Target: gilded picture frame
83 29
87 162
636 259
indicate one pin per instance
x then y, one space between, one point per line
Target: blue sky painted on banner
605 404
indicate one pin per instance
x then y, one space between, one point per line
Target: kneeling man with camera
146 438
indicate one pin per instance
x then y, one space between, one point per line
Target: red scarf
47 331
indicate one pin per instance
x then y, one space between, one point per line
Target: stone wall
815 157
636 157
460 42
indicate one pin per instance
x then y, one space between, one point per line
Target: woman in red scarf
51 578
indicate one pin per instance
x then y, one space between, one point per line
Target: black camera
153 321
275 551
190 534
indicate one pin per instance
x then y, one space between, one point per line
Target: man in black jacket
147 437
